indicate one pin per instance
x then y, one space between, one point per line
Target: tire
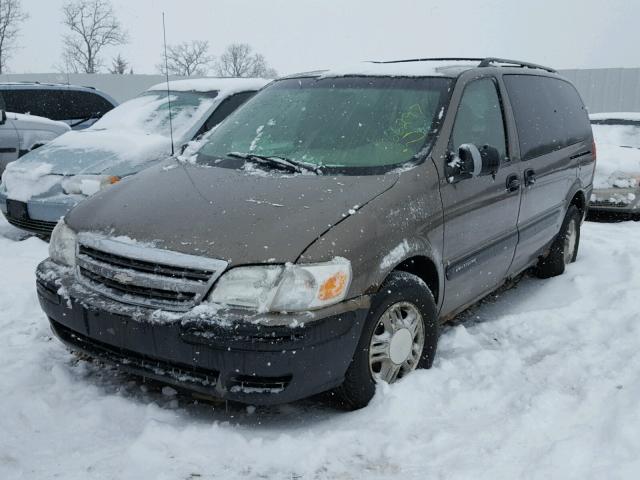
401 293
564 248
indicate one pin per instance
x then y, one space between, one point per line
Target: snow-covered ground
540 381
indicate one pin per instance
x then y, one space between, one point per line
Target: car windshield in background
346 122
624 133
149 112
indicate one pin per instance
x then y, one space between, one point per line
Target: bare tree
187 58
238 60
118 65
11 16
93 25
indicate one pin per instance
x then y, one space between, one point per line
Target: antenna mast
166 71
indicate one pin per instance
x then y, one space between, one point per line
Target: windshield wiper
86 119
276 161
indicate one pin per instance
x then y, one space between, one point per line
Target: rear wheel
400 335
564 248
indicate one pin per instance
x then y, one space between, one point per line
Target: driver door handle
529 177
513 183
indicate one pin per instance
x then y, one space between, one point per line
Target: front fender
402 223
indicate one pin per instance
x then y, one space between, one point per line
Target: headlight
284 288
87 184
62 245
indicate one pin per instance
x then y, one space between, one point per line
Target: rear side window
56 104
227 106
549 114
80 105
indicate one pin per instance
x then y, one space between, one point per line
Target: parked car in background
323 232
616 186
79 107
44 185
20 134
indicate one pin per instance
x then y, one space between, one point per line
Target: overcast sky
296 35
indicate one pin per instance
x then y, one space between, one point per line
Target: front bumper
257 360
40 215
615 200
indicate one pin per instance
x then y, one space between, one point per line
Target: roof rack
487 62
484 62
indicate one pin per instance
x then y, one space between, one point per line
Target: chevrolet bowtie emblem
122 278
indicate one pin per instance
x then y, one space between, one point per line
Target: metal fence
603 89
120 87
608 89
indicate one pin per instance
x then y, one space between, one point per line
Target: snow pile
539 382
25 181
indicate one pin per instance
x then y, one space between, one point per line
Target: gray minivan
76 105
324 231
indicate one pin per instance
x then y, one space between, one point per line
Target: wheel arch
576 196
424 268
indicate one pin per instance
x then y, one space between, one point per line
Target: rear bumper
615 200
230 358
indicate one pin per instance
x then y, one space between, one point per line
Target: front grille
150 267
39 227
143 275
150 293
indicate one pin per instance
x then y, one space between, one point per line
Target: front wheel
400 335
564 248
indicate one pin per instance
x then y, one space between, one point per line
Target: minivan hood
91 151
229 214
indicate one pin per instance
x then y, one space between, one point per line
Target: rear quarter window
56 104
549 114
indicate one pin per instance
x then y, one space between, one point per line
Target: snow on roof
449 68
633 116
225 86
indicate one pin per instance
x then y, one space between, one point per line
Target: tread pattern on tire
553 264
358 386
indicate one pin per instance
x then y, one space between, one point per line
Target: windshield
149 112
619 133
347 122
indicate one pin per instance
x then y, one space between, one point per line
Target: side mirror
3 117
477 162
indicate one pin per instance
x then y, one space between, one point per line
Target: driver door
481 212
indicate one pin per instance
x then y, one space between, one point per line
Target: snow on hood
225 86
618 148
93 151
